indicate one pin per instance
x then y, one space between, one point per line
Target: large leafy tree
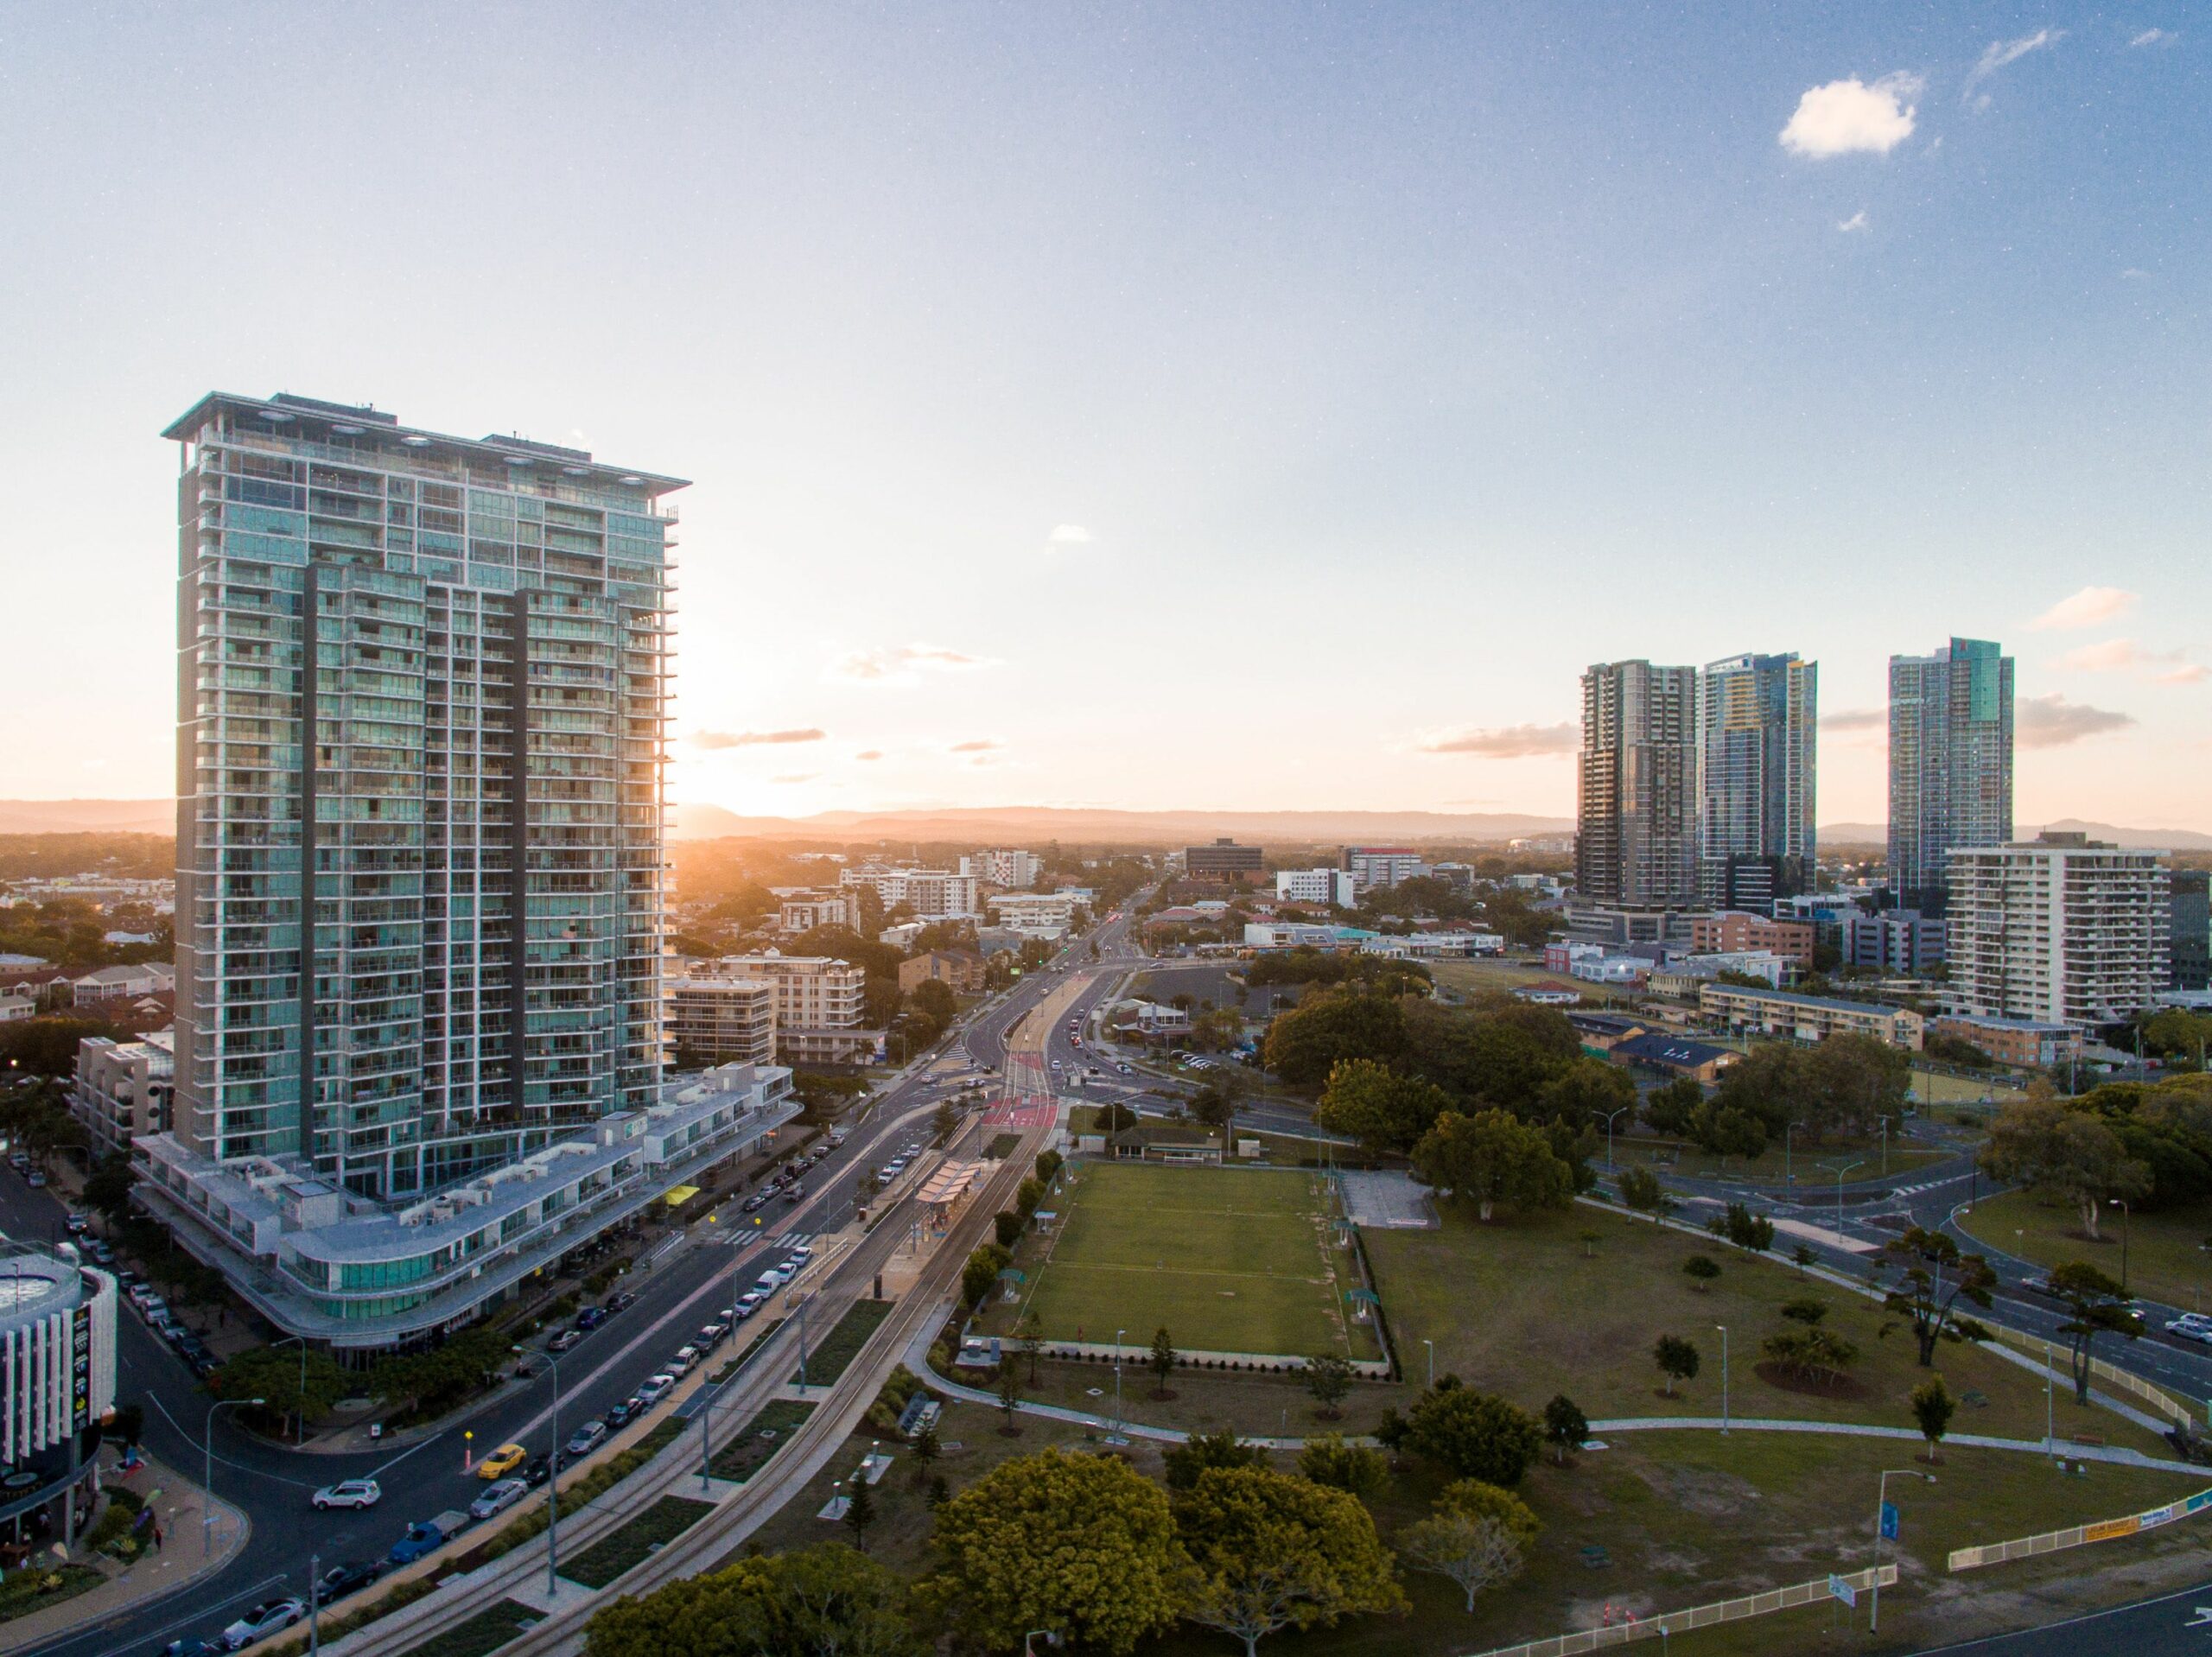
1082 1543
2052 1146
2095 1305
1473 1434
1584 1092
1853 1083
1474 1553
1383 1110
1937 1276
1502 1054
824 1601
1328 1026
1492 1159
1273 1551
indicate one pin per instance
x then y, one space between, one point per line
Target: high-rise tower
1757 725
1637 789
1950 764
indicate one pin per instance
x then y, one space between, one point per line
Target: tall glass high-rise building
1636 795
1758 833
422 683
1950 764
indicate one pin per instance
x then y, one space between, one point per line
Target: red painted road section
1027 1101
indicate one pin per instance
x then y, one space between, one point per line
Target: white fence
2106 1530
1698 1616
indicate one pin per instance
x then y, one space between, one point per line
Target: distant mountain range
1025 822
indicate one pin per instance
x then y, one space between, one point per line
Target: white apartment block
1007 868
820 1003
1316 886
2062 929
122 1089
721 1020
932 894
1382 865
801 912
1035 914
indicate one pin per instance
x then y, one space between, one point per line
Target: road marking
258 1589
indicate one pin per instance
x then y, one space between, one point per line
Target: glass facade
422 683
1757 838
1950 764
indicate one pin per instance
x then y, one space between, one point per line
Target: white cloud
1999 53
2150 37
1507 741
2089 607
1069 535
1857 221
791 777
2126 656
2053 722
756 738
980 745
870 753
1850 117
901 664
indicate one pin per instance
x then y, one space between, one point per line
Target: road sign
1838 1589
1889 1521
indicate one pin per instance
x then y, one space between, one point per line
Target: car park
497 1500
586 1438
272 1616
564 1341
501 1462
348 1493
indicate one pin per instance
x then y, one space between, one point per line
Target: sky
1243 406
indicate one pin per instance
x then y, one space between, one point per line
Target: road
2172 1625
272 1483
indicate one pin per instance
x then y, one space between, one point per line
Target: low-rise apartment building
1382 865
931 894
2028 1043
121 984
959 970
1732 930
1763 1011
1034 914
801 912
122 1090
720 1020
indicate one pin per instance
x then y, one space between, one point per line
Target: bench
2095 1440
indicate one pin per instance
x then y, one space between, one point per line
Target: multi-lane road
703 1270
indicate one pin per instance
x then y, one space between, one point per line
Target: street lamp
301 1416
1430 1345
553 1490
1117 1380
1881 1506
207 1484
1839 1169
2126 1227
1723 1327
1609 1134
1053 1637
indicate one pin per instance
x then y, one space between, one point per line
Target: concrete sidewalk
178 1507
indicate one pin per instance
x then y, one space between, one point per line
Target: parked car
348 1493
621 1300
36 1180
497 1464
686 1360
2192 1326
771 1281
802 1251
427 1536
539 1471
191 1646
747 1305
497 1500
271 1618
620 1415
758 1200
710 1335
585 1439
566 1339
343 1579
76 1225
655 1390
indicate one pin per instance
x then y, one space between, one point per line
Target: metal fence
2174 1409
1700 1616
2107 1530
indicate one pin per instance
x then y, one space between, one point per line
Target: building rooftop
1824 1003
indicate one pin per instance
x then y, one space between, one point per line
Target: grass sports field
1226 1259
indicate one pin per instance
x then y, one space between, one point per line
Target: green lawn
1470 977
1226 1260
826 1361
1772 1167
1528 1309
609 1557
486 1631
751 1446
2166 1261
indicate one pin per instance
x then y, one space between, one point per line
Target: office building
1756 832
718 1020
419 897
2060 929
1336 886
1900 941
122 1090
1017 869
1950 764
1746 1011
1382 866
1223 860
820 1002
2191 930
1637 788
1734 930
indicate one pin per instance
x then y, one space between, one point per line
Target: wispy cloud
1068 535
2090 607
1852 117
870 753
2126 656
1850 719
1506 742
2151 37
1997 56
755 739
796 777
2054 722
979 744
1856 222
899 664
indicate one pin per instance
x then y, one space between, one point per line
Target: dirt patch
1788 1381
1702 1490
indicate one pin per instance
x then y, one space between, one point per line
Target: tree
859 1510
1349 1021
981 1270
946 1119
1727 1131
1677 1359
1641 1193
1385 1111
1473 1434
1029 1335
267 1373
1669 1107
1853 1083
1474 1553
1480 1501
824 1601
1490 1158
1360 1469
1084 1544
2052 1146
1565 1426
925 1448
1700 1269
1009 1396
1113 1118
1216 1103
1273 1552
1805 1310
1933 1407
1937 1276
1161 1360
1188 1460
1585 1091
1007 1227
1746 1229
1802 1256
107 1188
2095 1305
1810 1352
1328 1377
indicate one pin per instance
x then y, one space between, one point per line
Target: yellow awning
682 1194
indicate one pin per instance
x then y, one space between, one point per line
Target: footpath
178 1507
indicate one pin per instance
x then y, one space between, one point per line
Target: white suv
348 1493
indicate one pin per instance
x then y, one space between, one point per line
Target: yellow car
502 1462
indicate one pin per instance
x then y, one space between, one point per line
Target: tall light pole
207 1483
1881 1508
1609 1134
1430 1345
300 1415
1839 1169
1723 1327
553 1491
1788 1171
1117 1380
2127 1228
